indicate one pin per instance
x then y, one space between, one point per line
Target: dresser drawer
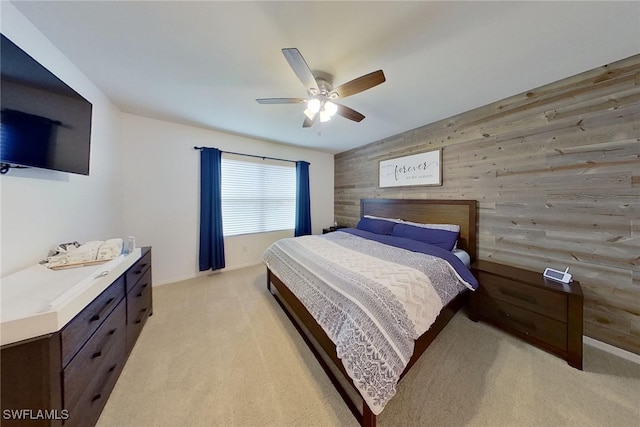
139 301
137 270
532 298
138 310
92 358
142 283
78 331
90 404
511 317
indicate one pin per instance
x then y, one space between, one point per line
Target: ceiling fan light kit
314 105
324 116
330 108
320 91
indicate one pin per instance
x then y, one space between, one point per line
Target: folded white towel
110 249
96 250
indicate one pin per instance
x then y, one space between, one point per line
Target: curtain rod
250 155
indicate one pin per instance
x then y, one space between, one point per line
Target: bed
373 361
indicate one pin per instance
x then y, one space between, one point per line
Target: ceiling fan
321 93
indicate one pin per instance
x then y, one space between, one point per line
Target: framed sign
417 169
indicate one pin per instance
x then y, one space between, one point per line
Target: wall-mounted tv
44 123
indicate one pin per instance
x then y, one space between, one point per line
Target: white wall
39 208
161 192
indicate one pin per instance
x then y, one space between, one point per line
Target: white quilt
372 300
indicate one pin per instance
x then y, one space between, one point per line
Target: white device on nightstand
557 275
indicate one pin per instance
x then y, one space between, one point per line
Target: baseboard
635 358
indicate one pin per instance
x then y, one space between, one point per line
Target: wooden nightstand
545 313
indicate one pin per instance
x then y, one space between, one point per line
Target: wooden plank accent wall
556 172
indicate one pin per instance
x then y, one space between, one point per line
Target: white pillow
464 256
397 220
447 227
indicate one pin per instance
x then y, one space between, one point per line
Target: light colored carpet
219 351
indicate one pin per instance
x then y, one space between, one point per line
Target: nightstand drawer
543 312
511 317
538 300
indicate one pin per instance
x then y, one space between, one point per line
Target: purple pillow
442 238
378 226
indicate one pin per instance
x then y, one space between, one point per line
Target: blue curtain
303 200
211 237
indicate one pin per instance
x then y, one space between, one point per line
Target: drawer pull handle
518 295
104 383
142 289
140 318
101 313
521 322
140 269
104 343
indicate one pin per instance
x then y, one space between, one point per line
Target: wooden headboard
461 212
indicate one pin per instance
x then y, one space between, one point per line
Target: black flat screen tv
44 123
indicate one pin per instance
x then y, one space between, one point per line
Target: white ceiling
204 63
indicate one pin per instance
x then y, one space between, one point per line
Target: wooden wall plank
557 173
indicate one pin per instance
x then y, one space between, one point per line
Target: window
257 196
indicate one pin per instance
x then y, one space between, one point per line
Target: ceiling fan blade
358 85
300 67
309 122
349 113
281 100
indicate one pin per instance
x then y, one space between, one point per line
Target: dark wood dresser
545 313
65 378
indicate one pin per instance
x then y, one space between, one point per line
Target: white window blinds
257 195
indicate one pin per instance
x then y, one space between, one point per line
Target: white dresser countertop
38 301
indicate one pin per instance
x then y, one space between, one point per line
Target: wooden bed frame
462 212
